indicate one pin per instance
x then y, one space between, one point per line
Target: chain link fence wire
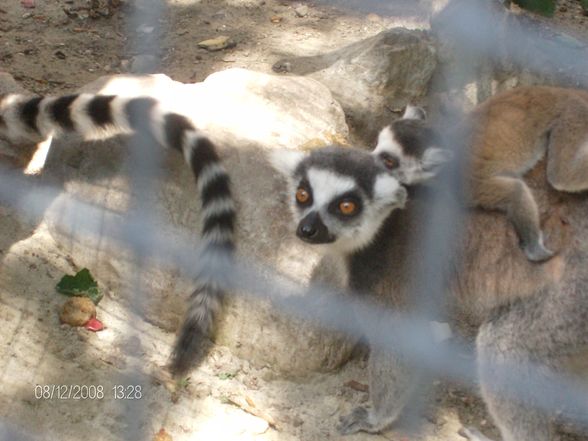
476 32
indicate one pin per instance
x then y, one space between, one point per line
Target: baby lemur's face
339 196
410 149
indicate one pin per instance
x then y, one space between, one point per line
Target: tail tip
190 349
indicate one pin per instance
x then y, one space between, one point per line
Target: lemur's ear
286 160
414 112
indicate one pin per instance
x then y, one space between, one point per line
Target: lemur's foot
537 252
473 434
356 421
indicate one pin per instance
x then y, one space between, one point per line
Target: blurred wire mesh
478 30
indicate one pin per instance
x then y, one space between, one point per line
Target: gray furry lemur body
343 201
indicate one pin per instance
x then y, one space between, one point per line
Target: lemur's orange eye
302 196
347 207
390 162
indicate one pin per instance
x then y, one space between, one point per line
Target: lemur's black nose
311 229
307 230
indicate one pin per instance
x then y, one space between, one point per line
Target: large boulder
246 114
373 77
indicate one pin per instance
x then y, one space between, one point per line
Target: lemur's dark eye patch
391 162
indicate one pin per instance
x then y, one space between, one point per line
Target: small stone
143 63
374 18
77 311
220 15
216 44
301 11
144 29
276 19
356 385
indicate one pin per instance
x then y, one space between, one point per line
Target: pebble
143 63
216 44
220 15
374 18
144 29
301 11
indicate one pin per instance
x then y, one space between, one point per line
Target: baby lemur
506 136
345 201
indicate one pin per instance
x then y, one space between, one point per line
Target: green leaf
584 4
226 376
82 284
183 383
543 7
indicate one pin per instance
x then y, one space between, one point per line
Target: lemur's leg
567 151
392 380
513 196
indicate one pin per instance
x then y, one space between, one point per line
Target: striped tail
101 116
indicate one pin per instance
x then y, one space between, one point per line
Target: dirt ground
57 47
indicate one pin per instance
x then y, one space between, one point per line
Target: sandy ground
60 45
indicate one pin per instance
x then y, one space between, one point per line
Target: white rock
247 114
368 77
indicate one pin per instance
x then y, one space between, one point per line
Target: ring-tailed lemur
353 196
506 136
33 119
343 201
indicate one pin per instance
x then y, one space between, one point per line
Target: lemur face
409 149
339 196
